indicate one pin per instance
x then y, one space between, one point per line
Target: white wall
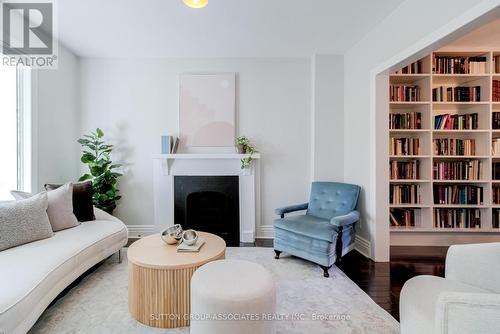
327 118
399 36
135 101
287 106
56 122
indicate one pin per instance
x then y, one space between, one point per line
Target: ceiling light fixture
196 3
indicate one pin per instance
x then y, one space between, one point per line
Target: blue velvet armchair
326 231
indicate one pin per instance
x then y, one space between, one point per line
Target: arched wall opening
378 196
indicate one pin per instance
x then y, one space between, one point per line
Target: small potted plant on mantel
245 147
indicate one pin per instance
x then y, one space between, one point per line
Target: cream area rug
320 305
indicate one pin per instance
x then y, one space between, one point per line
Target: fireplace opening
210 204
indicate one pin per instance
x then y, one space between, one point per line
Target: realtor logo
28 34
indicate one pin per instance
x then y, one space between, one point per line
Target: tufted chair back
332 199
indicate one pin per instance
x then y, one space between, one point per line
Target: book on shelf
495 147
404 170
459 65
457 218
404 194
496 66
495 121
456 94
458 194
496 194
404 93
457 170
496 218
454 146
456 122
495 170
413 68
495 90
404 146
411 120
400 217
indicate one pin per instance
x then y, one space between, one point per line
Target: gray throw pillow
83 206
24 221
60 208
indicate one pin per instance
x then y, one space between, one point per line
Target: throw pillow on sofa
60 210
24 221
83 207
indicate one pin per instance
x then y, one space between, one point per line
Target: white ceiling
225 28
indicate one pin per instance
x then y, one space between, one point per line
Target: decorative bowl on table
172 234
189 237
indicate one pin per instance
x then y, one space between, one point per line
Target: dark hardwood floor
383 281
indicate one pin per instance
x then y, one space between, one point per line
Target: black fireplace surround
210 204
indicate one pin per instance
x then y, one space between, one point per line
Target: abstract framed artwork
207 104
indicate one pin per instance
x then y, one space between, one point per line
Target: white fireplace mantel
223 164
167 166
205 156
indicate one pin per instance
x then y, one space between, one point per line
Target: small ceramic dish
189 237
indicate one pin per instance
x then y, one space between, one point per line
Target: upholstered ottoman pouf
232 296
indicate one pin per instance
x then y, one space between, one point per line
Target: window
14 131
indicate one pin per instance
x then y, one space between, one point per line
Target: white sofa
467 300
32 275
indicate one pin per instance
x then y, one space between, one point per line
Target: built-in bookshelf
444 144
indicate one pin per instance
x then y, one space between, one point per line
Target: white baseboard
139 231
265 232
363 246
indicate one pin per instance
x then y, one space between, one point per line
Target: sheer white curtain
8 131
14 131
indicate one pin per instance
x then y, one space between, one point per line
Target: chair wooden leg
277 254
325 271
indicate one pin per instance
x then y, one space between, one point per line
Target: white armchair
467 300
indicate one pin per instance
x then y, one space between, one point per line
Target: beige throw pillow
60 209
24 221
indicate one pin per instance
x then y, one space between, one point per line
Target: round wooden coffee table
159 279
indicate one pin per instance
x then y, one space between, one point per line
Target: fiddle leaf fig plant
102 171
245 147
